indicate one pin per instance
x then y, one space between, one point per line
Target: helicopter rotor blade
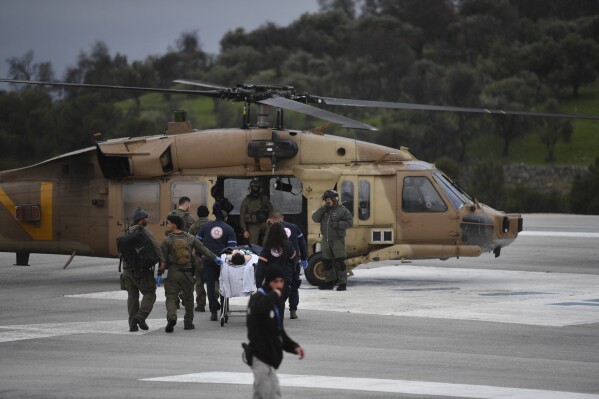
210 93
199 83
292 105
425 107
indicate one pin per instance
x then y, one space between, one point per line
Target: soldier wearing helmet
254 210
140 283
334 220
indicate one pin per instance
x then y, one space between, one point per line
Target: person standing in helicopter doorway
253 213
334 220
183 212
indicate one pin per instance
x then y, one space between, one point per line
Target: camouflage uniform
180 277
333 224
253 213
187 218
199 272
144 284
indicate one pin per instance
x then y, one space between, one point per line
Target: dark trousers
283 299
294 289
211 275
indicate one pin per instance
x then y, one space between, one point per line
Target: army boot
200 308
292 314
170 325
189 326
342 287
213 317
141 322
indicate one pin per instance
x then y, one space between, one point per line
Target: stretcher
236 280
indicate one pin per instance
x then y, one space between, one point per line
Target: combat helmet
255 186
332 194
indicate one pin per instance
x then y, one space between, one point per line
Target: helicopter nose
507 228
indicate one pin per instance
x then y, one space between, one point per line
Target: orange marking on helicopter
43 232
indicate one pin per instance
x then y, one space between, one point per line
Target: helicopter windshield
456 195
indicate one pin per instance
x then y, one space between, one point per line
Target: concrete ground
524 325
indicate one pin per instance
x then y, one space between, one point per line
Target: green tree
462 89
512 94
581 61
584 195
552 130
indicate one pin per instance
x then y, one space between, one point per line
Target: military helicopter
403 208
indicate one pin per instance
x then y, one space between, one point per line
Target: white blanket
237 280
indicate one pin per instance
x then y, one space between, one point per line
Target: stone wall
542 178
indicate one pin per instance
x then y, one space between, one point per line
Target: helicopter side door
424 214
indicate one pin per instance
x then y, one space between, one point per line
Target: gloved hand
304 264
158 280
218 261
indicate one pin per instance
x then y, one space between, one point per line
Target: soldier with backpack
178 248
140 252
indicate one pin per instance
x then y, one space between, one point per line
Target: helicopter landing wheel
315 271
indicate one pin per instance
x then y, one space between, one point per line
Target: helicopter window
142 194
235 191
196 191
455 199
419 195
286 195
449 185
347 195
364 200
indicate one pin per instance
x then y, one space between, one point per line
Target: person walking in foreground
267 336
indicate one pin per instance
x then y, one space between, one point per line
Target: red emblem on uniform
216 232
276 253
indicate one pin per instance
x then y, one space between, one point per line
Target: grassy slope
582 149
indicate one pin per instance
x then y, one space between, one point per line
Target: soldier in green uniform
183 212
253 213
178 248
334 219
140 283
202 213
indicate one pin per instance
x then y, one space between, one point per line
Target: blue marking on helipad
515 293
575 304
591 300
429 289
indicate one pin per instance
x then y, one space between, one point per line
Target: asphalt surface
419 330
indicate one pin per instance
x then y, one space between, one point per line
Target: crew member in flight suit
253 213
334 220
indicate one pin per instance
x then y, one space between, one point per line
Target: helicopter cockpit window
347 195
142 194
455 193
419 195
196 191
364 200
286 195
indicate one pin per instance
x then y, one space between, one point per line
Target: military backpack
181 250
137 250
